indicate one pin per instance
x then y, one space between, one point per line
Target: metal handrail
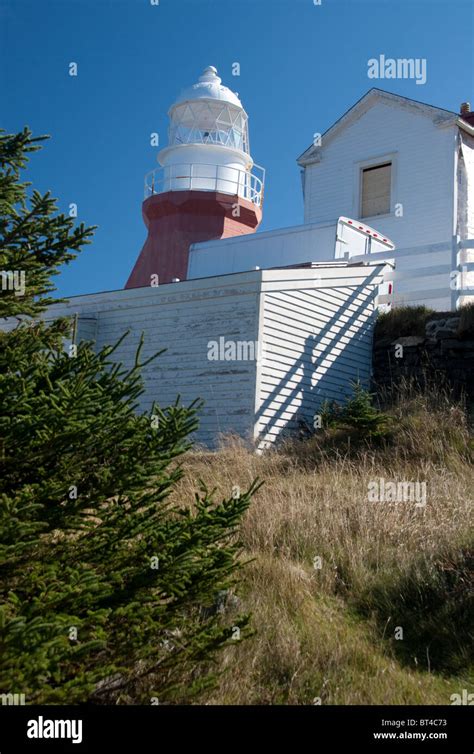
189 176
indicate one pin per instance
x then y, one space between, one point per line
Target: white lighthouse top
209 86
208 145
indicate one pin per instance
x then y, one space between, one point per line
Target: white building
402 166
386 152
263 349
268 325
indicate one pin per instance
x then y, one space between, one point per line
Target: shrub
358 414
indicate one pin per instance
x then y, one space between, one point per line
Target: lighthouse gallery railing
248 184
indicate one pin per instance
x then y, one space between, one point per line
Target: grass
411 320
328 633
405 320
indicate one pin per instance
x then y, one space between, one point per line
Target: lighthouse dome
209 86
208 144
209 113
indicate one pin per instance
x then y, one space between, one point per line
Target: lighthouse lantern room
207 185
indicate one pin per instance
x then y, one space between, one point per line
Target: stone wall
440 356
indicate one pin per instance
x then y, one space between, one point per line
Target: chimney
466 114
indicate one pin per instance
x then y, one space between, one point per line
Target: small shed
262 348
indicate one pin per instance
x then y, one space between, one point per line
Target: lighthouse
206 186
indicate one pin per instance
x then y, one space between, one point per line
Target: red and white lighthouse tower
207 186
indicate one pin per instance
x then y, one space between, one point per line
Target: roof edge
306 158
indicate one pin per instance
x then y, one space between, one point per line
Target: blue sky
301 67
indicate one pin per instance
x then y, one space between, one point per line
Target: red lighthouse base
177 219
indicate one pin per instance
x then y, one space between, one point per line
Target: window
375 190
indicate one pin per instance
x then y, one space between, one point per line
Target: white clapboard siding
421 147
466 194
317 339
313 326
183 318
86 328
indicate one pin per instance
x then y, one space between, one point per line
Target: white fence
439 276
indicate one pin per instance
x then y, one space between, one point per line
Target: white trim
454 217
358 167
439 116
465 126
257 399
292 229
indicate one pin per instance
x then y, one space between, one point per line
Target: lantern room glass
204 122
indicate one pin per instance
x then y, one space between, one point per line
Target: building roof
439 114
468 117
208 87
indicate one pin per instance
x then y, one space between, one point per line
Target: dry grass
329 632
412 320
405 320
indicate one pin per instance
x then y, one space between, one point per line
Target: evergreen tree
108 585
357 413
